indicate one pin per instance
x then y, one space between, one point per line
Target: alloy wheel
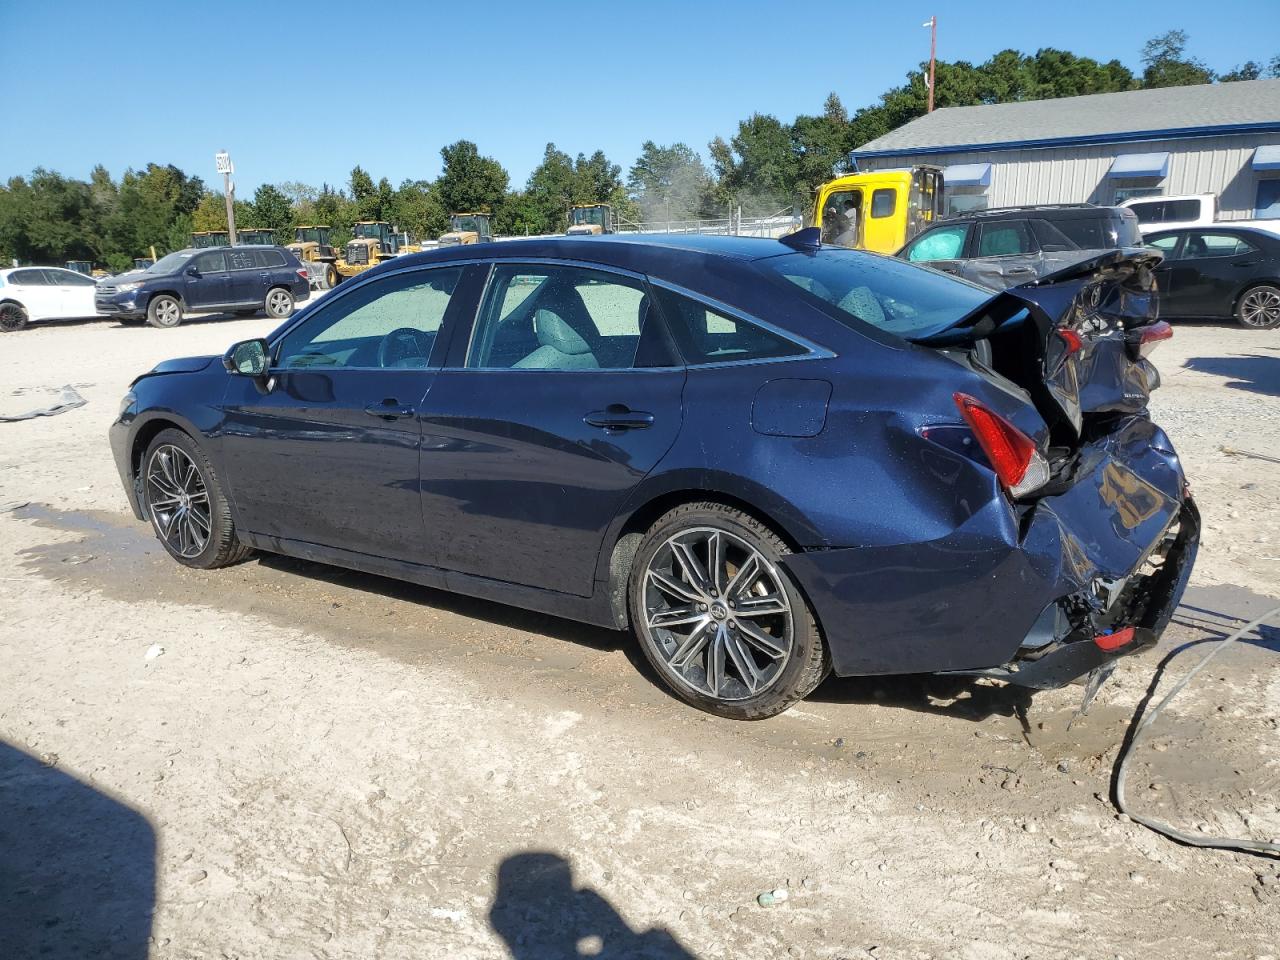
178 501
278 303
718 614
1260 307
168 313
11 317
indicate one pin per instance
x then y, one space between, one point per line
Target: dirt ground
288 760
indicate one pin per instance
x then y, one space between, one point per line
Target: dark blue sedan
768 459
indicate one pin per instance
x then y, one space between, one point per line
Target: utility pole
933 55
222 162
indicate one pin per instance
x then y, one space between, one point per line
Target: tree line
767 166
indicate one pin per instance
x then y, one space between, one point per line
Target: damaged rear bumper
1020 593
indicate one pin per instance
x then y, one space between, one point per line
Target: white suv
44 293
1199 210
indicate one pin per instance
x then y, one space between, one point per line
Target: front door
205 281
532 440
329 455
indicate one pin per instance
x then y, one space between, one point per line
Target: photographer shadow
541 915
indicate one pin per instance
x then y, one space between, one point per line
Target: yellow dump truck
467 228
590 220
878 211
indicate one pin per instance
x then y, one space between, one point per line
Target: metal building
1219 138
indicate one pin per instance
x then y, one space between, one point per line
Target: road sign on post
222 163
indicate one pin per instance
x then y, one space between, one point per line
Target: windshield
171 263
309 235
369 231
894 296
588 215
466 223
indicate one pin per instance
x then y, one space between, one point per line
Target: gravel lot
326 764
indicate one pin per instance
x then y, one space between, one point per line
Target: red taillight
1072 339
302 272
1149 337
1115 639
1012 454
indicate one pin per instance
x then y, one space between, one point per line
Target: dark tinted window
69 278
1101 233
1050 238
210 262
883 203
269 258
1166 211
241 259
28 278
538 317
884 292
705 335
1005 238
389 322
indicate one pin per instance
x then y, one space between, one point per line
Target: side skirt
594 610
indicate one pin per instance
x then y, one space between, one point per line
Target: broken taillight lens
1114 639
1145 339
1012 454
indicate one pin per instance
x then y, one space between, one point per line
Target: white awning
1267 158
1136 165
967 175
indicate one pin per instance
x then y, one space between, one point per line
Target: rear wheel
331 277
1259 307
718 617
164 311
12 317
186 503
279 303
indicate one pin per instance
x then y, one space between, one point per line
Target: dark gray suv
243 279
1007 246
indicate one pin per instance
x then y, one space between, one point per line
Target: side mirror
193 271
248 358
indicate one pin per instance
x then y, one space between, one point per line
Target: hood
182 365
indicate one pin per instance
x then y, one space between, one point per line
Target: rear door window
269 258
1214 245
940 243
239 259
1050 238
706 335
1005 238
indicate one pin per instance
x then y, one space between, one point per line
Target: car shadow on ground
1256 373
541 915
961 698
77 868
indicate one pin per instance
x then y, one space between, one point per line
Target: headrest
556 333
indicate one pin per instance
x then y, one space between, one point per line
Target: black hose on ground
1126 752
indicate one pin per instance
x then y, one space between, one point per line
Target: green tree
416 207
470 182
670 183
273 211
1167 64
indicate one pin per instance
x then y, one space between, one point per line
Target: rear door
205 281
1212 267
329 455
246 277
37 295
537 430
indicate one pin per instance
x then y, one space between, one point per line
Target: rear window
1166 211
894 296
1102 233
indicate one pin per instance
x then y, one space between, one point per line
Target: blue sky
131 82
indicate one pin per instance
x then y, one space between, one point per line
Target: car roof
617 249
1220 226
1044 211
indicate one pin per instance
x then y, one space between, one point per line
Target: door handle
618 416
390 409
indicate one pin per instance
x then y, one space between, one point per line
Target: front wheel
279 303
164 311
12 317
186 504
721 621
331 277
1259 307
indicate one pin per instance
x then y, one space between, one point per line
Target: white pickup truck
1198 210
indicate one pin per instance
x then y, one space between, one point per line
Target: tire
1259 307
184 535
12 317
246 313
331 277
701 657
164 311
279 303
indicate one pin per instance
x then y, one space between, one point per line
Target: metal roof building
1219 138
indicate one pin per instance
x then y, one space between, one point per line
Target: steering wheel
404 343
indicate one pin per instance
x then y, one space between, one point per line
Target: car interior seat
1196 247
560 347
862 303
